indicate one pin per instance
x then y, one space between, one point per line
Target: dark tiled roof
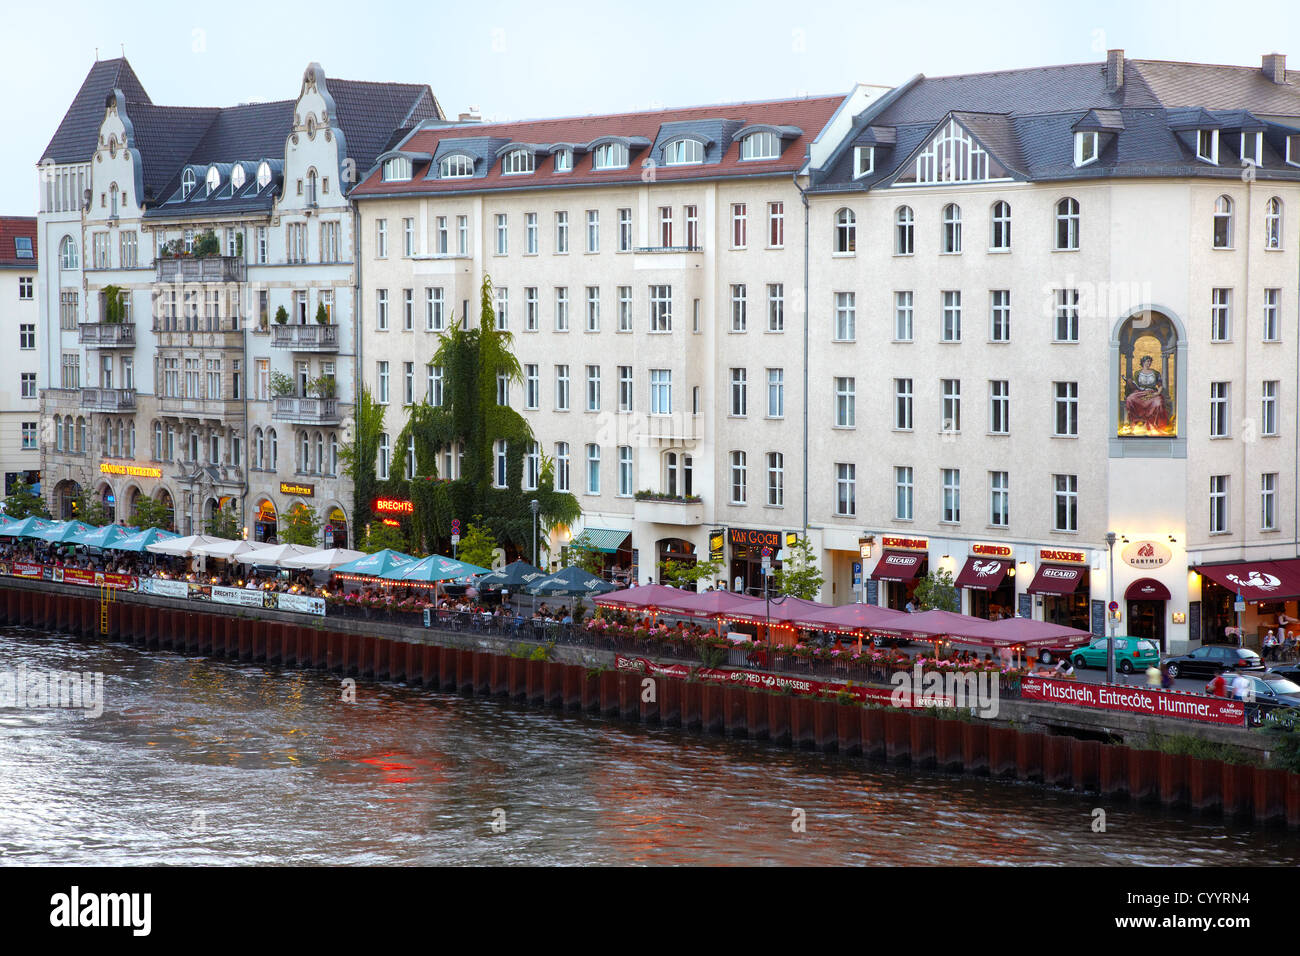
166 137
75 139
11 228
370 112
1217 87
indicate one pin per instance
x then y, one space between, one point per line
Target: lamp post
1110 644
536 506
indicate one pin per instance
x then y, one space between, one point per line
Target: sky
521 60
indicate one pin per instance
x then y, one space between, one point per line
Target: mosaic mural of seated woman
1145 406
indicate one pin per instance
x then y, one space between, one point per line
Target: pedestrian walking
1153 676
1241 687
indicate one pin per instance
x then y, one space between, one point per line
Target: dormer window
864 161
1086 147
1293 149
1207 145
609 156
456 166
1252 147
237 177
519 162
684 152
760 145
397 169
263 175
564 161
187 183
213 180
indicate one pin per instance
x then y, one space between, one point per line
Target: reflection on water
204 762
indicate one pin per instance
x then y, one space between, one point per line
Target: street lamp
536 506
1110 644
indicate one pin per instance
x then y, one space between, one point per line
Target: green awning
605 540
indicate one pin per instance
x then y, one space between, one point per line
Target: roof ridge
1020 69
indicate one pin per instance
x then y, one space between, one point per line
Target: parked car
1131 653
1290 671
1273 696
1209 660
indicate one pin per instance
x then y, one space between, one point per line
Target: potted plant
282 385
281 316
322 317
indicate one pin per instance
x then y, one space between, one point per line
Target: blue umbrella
101 537
571 581
64 532
139 541
27 527
436 568
514 576
381 564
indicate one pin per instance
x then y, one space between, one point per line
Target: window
1207 145
661 391
561 388
503 235
951 329
904 231
262 246
381 238
625 230
561 466
503 388
561 233
563 160
593 308
999 499
25 287
381 310
408 237
330 243
384 453
434 388
68 258
775 479
187 183
408 383
692 214
776 225
609 156
69 306
1220 315
1223 223
27 385
625 486
1066 516
1000 407
625 308
502 307
738 322
845 316
739 393
440 235
683 152
951 495
456 166
1219 408
434 305
903 493
1268 409
951 421
1218 504
952 228
1272 299
1066 326
903 404
562 309
864 161
661 308
518 161
593 469
27 336
1067 409
593 230
845 403
531 309
846 232
29 435
1272 224
1000 315
500 463
382 377
625 388
738 488
593 388
397 169
903 327
846 495
665 227
739 224
462 236
1268 502
776 307
760 145
408 308
1067 224
1085 147
776 393
1000 239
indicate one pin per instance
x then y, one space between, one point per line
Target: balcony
218 408
678 427
305 338
668 509
107 335
108 399
196 333
205 269
306 411
665 250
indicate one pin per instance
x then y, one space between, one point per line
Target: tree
91 509
301 526
322 316
224 523
688 574
360 455
799 576
151 513
23 504
580 554
478 545
936 591
380 537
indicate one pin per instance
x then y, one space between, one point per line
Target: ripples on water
203 762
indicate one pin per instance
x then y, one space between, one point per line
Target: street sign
1114 606
1240 605
455 539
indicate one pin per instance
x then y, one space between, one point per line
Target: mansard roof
75 138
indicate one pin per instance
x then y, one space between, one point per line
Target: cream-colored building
20 449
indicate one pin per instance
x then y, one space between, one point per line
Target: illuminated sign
266 511
717 541
392 522
991 550
748 536
290 488
392 506
1146 554
905 544
135 471
1069 557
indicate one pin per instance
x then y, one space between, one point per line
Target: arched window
1067 224
68 258
274 448
609 156
320 453
846 231
81 435
213 180
334 453
130 439
263 175
304 452
456 166
1223 223
760 145
259 449
187 183
519 161
684 152
1000 226
670 473
410 456
1148 377
311 187
904 225
952 228
1273 224
157 441
238 177
112 195
58 433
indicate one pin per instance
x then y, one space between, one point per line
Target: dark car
1271 697
1208 661
1290 671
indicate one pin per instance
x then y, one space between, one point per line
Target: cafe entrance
1146 610
746 567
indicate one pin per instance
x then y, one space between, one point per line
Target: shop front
265 523
988 577
1147 599
1267 589
902 562
1062 584
336 528
746 567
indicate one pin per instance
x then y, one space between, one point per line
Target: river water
196 761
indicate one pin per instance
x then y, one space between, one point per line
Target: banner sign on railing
1135 700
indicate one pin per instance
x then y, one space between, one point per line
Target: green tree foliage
799 575
91 509
23 504
150 513
301 526
224 523
478 545
380 536
936 591
688 574
361 454
580 554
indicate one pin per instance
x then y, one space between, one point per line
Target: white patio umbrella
220 548
323 560
182 547
278 554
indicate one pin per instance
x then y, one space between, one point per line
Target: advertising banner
237 596
164 588
23 569
118 582
1135 700
301 603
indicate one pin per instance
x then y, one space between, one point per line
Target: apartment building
20 442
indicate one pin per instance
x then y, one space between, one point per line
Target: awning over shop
1256 580
604 540
1058 579
983 574
1146 589
899 565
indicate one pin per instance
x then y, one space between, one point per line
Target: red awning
1257 580
1058 579
1146 589
899 565
983 574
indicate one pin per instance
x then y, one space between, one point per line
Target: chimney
471 117
1114 71
1275 67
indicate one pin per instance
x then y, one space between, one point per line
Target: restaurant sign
717 542
754 538
905 544
135 471
1059 556
392 506
1136 700
991 550
293 488
1146 554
